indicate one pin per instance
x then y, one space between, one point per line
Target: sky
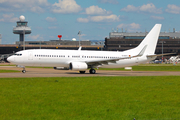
94 18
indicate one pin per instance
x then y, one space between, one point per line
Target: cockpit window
17 54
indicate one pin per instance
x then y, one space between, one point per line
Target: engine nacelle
61 68
80 66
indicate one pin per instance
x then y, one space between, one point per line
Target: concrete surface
50 72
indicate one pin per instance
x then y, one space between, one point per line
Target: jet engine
80 66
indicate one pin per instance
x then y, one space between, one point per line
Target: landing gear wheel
92 71
23 71
82 72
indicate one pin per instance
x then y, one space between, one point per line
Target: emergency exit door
30 55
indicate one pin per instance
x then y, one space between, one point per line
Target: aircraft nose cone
10 59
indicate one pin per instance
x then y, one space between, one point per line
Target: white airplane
81 60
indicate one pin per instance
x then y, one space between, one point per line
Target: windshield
17 54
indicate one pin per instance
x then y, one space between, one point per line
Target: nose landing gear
23 71
20 66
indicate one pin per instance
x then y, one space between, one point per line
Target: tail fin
148 45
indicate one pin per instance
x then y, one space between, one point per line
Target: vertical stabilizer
150 41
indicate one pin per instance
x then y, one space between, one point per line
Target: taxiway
50 72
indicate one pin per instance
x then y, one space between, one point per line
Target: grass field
8 71
90 98
148 68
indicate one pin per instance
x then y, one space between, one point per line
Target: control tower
21 28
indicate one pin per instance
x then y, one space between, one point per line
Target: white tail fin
148 45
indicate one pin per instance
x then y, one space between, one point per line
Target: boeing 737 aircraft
81 60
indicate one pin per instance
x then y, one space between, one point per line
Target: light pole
79 33
0 38
101 43
23 40
162 48
40 44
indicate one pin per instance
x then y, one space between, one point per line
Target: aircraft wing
105 62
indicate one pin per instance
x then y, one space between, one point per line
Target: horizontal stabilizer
160 54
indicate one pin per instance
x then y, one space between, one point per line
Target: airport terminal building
167 43
55 42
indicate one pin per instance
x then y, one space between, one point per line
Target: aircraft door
137 60
30 55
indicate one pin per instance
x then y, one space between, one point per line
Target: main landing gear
91 71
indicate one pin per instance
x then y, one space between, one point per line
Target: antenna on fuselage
80 47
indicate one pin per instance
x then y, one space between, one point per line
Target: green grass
91 98
7 65
156 68
163 64
8 71
146 67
